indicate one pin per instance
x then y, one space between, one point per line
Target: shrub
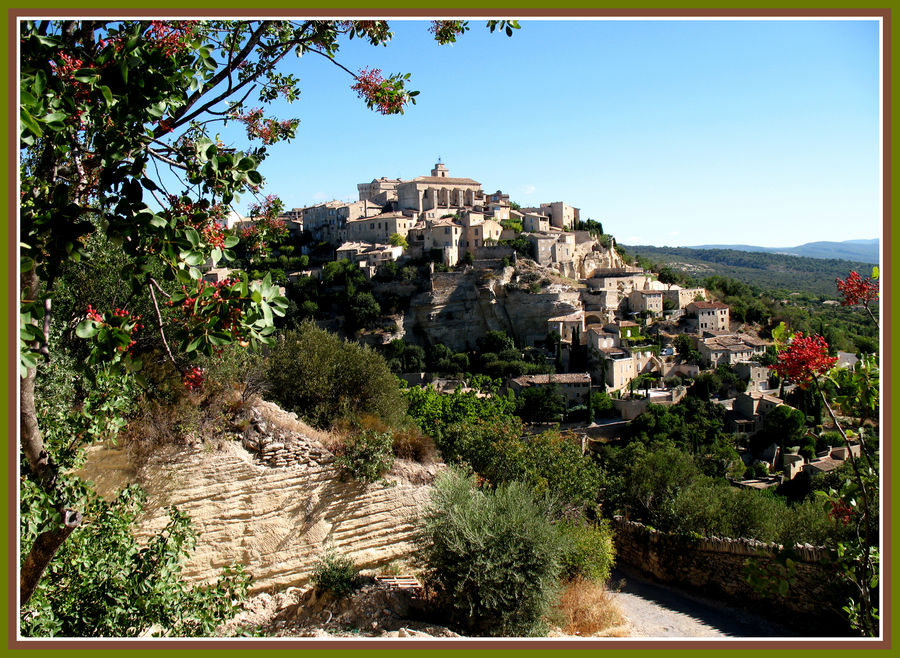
492 558
337 574
102 583
586 608
588 551
324 378
366 456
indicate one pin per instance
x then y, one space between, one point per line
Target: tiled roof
558 378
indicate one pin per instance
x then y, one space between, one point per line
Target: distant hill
860 251
777 273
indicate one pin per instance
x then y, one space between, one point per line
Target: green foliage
324 379
491 557
102 583
541 404
337 574
589 551
434 412
367 455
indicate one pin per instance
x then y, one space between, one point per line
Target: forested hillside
778 273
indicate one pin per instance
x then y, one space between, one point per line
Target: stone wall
718 568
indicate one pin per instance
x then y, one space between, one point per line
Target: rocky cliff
463 306
271 501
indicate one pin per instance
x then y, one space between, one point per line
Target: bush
337 574
325 379
102 583
366 456
586 608
589 552
492 558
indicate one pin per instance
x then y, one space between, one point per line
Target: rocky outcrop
274 508
464 306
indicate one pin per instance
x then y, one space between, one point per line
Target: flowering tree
104 106
856 290
804 361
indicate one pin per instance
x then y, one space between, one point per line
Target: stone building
379 228
574 386
380 191
710 315
650 301
438 192
561 214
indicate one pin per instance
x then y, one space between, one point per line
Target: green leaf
216 256
875 272
193 237
246 164
194 344
195 273
107 94
254 177
193 258
86 329
231 241
29 122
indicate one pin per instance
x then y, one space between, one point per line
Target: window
447 230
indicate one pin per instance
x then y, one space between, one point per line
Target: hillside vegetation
778 273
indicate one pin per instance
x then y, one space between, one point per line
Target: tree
804 360
103 104
398 240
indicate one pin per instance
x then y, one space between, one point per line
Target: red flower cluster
378 92
193 378
172 37
804 359
204 217
119 319
857 290
229 315
267 130
840 512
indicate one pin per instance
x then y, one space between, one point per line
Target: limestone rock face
274 508
464 306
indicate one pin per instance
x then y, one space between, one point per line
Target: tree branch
159 321
168 161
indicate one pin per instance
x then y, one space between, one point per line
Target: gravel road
655 610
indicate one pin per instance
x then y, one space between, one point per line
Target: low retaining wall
718 568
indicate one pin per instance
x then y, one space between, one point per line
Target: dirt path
655 610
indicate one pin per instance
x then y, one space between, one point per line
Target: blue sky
669 132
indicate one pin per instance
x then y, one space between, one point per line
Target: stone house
478 231
442 234
569 327
710 315
561 214
646 300
379 228
497 206
574 386
749 410
380 191
756 376
619 366
535 222
328 221
682 297
368 256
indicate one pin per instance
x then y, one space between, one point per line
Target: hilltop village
538 287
